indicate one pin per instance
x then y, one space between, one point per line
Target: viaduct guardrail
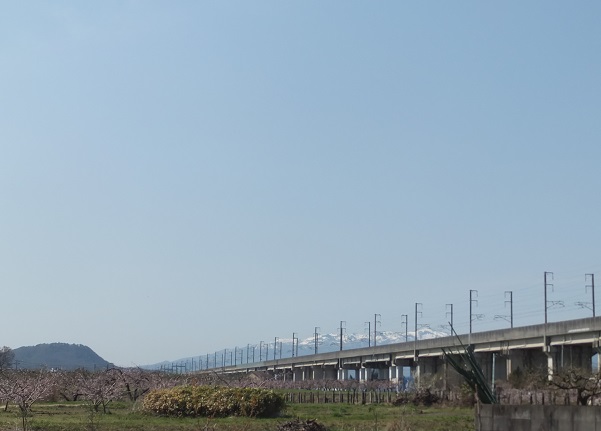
553 345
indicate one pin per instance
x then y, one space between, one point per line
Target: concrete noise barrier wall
495 417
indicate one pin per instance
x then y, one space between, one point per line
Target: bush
213 402
298 425
419 397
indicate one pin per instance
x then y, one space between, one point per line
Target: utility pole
342 323
471 302
417 313
592 286
235 355
376 321
450 314
547 285
510 302
472 315
405 320
368 333
293 338
275 347
316 337
510 306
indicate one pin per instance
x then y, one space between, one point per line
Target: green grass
336 417
381 417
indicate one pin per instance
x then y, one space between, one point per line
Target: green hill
58 356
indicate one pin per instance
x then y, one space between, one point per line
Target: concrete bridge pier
494 365
416 374
514 360
484 359
430 365
279 374
401 363
394 371
378 374
450 377
288 375
500 367
363 373
317 373
307 372
368 373
552 361
342 374
424 367
329 372
323 372
529 359
298 374
579 356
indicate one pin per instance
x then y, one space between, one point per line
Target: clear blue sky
180 177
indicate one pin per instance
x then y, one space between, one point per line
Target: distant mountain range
326 343
65 356
331 342
58 356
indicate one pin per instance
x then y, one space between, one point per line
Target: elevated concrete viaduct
550 347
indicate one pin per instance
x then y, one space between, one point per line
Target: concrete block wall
538 418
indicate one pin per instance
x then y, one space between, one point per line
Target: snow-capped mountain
326 343
331 342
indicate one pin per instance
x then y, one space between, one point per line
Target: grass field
336 417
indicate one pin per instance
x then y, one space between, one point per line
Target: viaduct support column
550 366
329 372
297 374
552 361
316 372
306 373
363 374
576 357
393 373
485 361
514 361
415 370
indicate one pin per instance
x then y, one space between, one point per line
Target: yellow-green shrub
213 402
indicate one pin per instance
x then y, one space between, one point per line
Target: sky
181 177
